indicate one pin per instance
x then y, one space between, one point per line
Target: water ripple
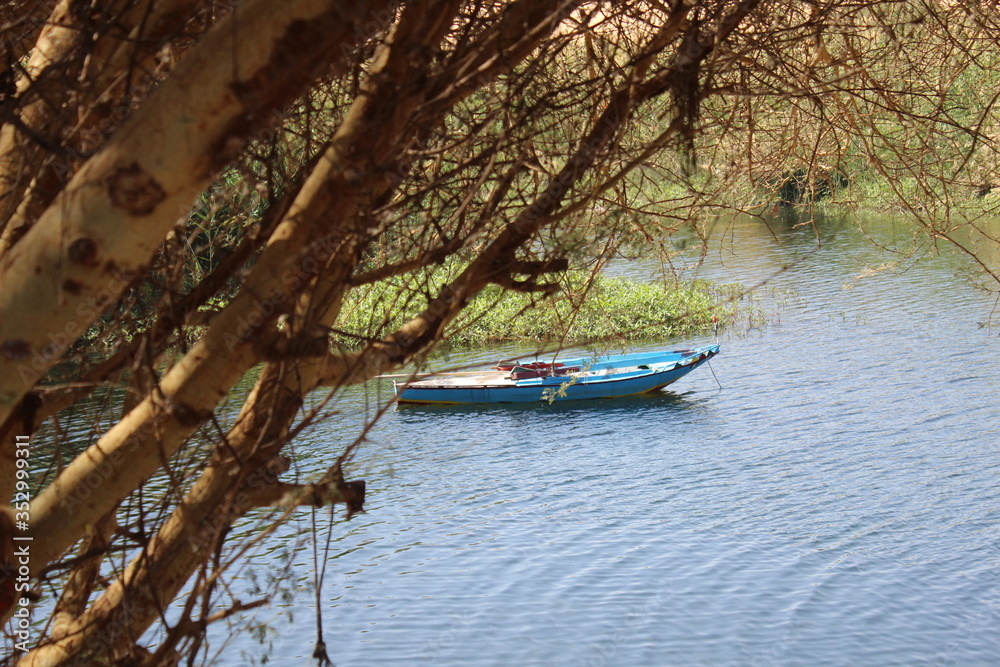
835 504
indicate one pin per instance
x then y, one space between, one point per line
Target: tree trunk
107 223
70 90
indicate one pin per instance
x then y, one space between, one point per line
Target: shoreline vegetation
587 309
842 190
875 197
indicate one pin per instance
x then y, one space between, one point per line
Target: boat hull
650 372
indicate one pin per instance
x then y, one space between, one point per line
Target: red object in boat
533 366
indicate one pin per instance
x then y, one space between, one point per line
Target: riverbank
587 309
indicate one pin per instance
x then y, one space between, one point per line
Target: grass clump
588 308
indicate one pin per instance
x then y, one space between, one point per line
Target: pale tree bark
107 223
57 96
48 78
75 85
227 349
44 402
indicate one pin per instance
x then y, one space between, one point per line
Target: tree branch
109 220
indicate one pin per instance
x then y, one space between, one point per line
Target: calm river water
835 503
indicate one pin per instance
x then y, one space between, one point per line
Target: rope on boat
709 362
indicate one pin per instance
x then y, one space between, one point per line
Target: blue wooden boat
572 379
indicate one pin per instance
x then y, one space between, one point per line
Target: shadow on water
798 230
818 223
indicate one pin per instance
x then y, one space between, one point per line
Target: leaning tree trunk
75 89
104 227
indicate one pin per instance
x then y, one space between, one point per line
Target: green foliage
904 109
587 308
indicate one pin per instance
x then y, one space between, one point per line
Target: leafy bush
586 309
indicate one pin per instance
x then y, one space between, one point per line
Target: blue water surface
836 502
